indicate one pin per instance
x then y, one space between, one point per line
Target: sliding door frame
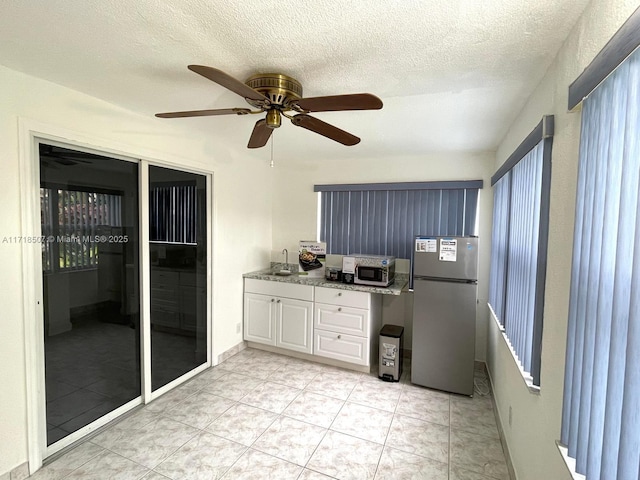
30 135
150 394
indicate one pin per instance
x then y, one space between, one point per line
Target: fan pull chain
271 164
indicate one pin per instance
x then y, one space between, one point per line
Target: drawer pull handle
339 294
339 337
278 301
340 309
273 300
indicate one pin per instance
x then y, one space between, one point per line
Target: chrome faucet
286 257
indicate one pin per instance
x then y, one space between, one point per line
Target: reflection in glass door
178 259
90 269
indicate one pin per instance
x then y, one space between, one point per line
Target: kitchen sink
283 273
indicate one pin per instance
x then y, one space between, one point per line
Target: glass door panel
90 262
178 259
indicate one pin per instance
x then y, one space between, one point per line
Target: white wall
537 418
242 215
295 206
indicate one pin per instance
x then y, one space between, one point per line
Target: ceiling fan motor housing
281 90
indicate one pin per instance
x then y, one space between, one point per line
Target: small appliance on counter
348 269
333 274
372 270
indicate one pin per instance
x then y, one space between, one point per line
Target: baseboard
231 352
503 441
314 358
19 473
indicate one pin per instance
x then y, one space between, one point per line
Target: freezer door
444 331
455 257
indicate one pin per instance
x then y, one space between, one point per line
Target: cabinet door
259 318
294 320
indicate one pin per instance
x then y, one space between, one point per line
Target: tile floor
260 415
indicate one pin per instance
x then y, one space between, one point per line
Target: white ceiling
452 74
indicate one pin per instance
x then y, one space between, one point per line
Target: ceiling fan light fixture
273 118
276 94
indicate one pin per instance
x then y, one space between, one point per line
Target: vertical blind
518 248
601 409
385 221
499 242
524 222
174 214
70 222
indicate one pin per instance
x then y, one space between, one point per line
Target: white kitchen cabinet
331 325
259 318
338 346
346 325
294 324
354 321
279 314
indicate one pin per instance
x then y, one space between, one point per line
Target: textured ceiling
452 74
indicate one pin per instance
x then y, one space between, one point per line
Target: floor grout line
361 380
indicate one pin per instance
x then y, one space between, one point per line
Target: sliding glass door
96 346
178 259
90 268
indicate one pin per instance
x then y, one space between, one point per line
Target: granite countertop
400 283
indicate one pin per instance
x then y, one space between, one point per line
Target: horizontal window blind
600 417
385 222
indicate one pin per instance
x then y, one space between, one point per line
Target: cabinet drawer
279 289
340 346
353 321
346 298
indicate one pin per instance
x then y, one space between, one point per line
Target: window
600 421
72 222
519 246
383 219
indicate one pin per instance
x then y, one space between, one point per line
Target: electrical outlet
238 327
510 415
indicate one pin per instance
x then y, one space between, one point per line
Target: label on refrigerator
448 249
426 245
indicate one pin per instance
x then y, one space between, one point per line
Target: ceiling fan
277 95
52 155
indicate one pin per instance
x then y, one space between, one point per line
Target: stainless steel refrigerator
444 275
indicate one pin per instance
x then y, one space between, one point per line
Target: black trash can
391 351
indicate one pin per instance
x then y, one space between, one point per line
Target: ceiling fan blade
356 101
260 134
227 81
324 129
205 113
